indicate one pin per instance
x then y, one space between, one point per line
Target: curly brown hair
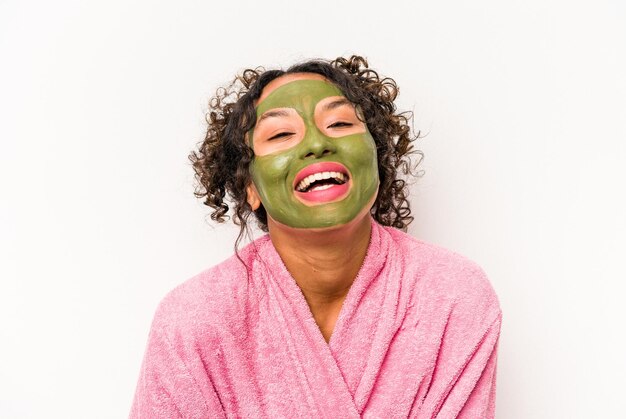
223 158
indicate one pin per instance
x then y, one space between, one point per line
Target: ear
253 197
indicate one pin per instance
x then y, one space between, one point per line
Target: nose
316 144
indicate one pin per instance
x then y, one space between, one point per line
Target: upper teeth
304 183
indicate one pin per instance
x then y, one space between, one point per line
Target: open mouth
321 181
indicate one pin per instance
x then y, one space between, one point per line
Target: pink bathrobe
416 337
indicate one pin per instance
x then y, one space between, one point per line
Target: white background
523 104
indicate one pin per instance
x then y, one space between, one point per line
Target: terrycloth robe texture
416 337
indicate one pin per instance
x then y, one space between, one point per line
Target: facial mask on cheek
326 202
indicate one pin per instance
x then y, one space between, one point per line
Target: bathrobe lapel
337 377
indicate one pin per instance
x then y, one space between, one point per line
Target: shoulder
212 299
445 275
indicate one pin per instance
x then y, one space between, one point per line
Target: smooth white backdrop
523 104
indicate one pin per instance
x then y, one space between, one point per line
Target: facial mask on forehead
317 181
302 95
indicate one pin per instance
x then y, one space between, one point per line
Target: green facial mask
274 174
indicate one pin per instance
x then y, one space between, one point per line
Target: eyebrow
336 104
273 114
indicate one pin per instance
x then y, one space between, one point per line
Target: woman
336 312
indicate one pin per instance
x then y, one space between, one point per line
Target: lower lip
332 194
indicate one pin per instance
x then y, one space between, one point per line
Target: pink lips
334 193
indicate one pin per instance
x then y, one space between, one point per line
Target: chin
325 224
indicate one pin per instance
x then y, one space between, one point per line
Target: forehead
300 90
287 78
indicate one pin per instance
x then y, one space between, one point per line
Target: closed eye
280 135
340 124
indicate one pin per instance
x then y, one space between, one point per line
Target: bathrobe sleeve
475 389
465 375
166 388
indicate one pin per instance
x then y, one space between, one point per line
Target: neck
323 262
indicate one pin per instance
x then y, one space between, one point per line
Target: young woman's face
315 161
